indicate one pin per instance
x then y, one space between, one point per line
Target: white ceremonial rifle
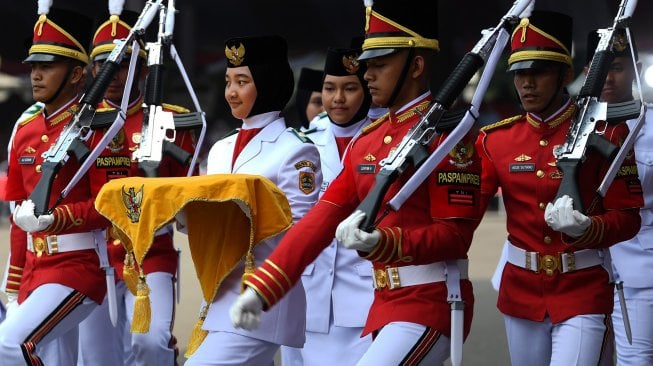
583 133
413 149
623 151
72 139
159 126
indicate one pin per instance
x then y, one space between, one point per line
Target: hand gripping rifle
583 132
413 149
72 139
159 126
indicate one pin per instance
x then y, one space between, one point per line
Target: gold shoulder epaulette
301 136
105 109
175 108
372 126
504 122
28 120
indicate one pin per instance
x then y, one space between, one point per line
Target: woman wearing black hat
555 292
308 99
259 83
338 283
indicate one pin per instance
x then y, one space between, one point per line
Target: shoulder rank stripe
373 126
504 122
301 136
28 119
310 131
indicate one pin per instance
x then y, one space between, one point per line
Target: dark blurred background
310 26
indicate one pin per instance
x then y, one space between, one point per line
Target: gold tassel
198 334
249 269
142 310
524 25
129 274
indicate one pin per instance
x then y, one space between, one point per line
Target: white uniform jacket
338 283
279 154
632 260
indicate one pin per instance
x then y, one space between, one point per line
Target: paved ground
486 344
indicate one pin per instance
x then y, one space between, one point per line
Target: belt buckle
39 246
380 278
549 263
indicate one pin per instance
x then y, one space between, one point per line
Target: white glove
12 302
562 217
246 311
25 219
352 237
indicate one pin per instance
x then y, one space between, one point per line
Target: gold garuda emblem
351 64
132 200
461 155
235 55
620 42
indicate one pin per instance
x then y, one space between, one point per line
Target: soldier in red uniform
411 248
155 347
555 292
61 279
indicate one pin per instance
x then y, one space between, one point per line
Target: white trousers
406 344
639 302
224 348
117 346
51 313
580 341
341 346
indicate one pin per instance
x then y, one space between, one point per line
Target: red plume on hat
117 27
58 34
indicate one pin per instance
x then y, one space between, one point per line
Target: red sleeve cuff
592 236
270 282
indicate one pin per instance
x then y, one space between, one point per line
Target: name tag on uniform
26 160
366 168
521 168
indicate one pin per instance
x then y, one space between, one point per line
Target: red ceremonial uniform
116 161
33 137
435 224
517 155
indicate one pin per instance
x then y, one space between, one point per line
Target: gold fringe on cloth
233 212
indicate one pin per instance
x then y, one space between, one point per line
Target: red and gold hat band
385 33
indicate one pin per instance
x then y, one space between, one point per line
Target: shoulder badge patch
306 182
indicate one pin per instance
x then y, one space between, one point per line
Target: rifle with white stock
72 139
585 131
413 149
160 126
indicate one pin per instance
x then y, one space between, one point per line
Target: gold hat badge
350 63
235 55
